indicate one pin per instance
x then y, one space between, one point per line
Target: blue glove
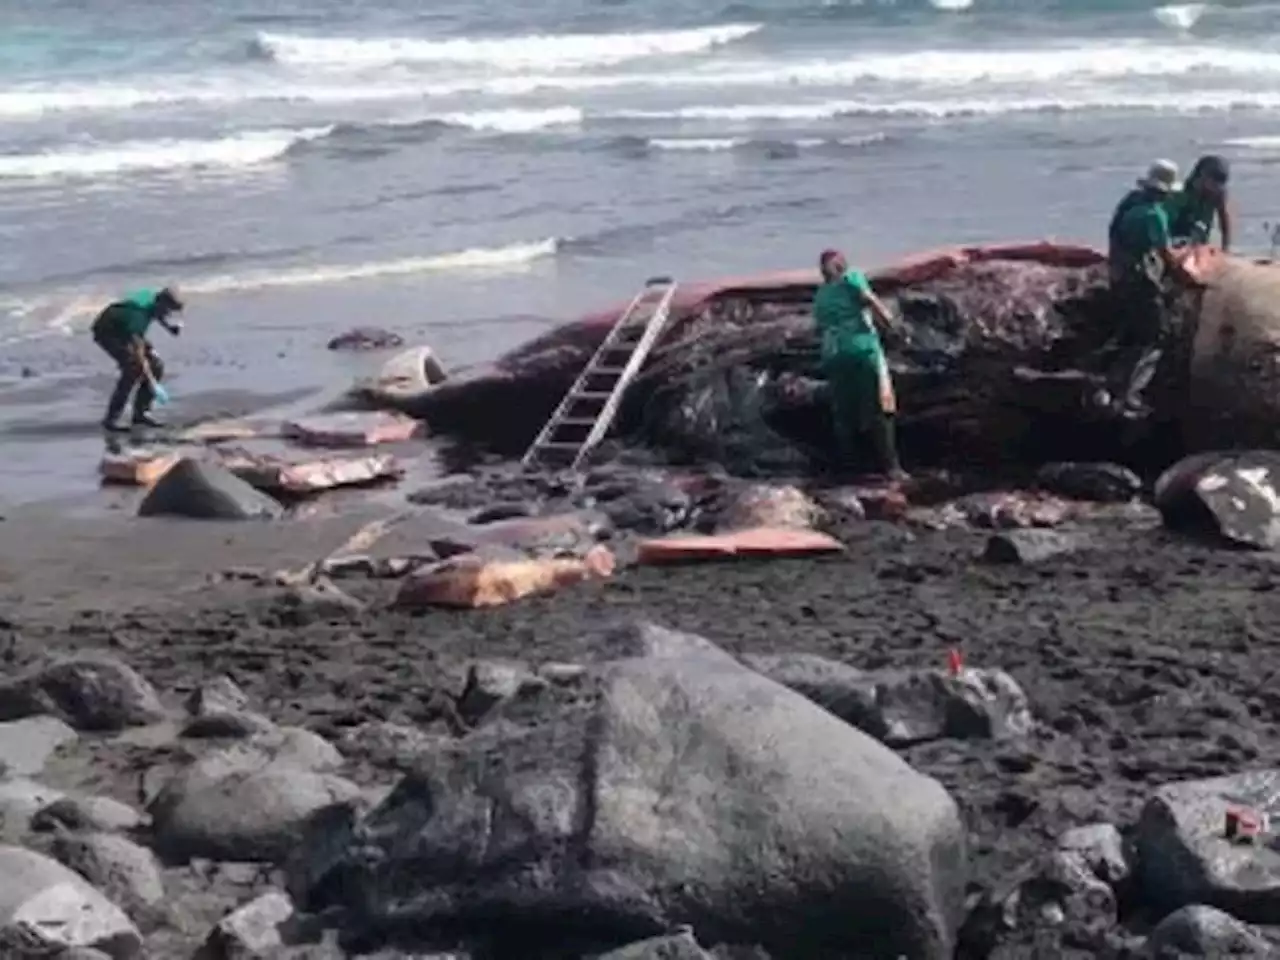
160 393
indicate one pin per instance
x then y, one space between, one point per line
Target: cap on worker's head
1211 167
168 299
1162 176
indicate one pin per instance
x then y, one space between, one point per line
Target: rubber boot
885 445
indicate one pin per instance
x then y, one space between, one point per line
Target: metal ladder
585 414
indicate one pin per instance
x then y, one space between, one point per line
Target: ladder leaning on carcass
584 416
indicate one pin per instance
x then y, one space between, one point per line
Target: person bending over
1142 261
1201 203
121 331
862 398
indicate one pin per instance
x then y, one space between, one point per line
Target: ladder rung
606 371
591 394
576 422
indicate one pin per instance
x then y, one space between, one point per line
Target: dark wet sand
1148 660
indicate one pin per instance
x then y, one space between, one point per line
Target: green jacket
843 318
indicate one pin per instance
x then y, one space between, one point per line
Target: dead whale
1002 359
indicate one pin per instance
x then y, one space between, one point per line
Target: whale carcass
1002 356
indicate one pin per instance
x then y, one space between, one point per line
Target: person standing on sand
1201 203
862 398
121 331
1142 262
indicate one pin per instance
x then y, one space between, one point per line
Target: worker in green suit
1202 203
121 331
862 399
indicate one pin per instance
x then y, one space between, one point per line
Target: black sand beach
1146 660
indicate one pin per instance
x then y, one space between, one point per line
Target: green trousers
858 414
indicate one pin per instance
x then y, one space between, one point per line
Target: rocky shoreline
990 725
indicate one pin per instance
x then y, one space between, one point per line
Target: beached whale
1002 359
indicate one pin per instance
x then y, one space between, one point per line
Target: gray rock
906 707
125 872
493 682
91 692
241 804
1099 482
1201 931
1101 847
680 946
20 800
207 491
46 907
251 931
220 709
390 745
1032 545
931 704
221 695
320 601
1230 496
680 788
26 744
1055 898
94 814
1185 858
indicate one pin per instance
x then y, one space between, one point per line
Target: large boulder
46 908
207 491
1234 497
674 787
242 803
1185 853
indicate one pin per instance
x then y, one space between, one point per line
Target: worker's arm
139 347
1224 222
883 319
1158 235
880 312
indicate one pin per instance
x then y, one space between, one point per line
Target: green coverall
856 370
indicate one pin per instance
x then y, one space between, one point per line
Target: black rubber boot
884 443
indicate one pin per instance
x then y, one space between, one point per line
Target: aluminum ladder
587 411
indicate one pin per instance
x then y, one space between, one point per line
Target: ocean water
469 177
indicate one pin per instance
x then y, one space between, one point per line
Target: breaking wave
1189 103
253 148
512 257
544 52
242 150
1106 67
759 144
